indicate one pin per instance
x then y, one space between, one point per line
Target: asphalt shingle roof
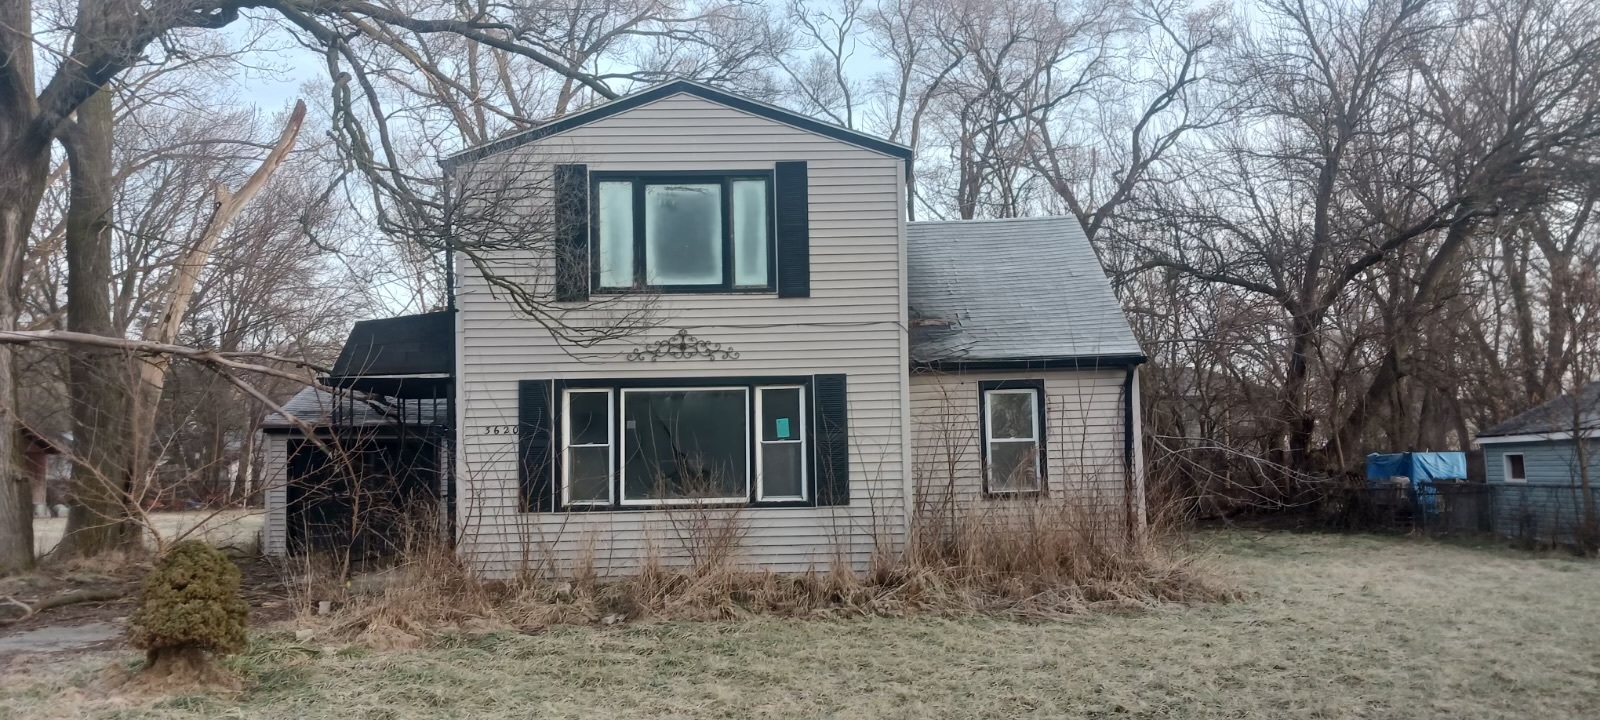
1556 416
1017 289
404 345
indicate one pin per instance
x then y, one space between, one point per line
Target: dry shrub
1032 560
427 587
1047 556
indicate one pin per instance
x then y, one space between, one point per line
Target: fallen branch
228 360
71 598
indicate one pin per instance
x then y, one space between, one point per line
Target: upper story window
683 232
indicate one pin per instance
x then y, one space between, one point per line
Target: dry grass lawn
1337 627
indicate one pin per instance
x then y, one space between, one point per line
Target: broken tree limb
228 360
71 598
164 330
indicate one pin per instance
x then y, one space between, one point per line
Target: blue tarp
1419 466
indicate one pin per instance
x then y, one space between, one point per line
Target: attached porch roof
410 356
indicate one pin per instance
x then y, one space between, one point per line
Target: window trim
751 383
759 443
1041 433
1505 461
640 180
566 447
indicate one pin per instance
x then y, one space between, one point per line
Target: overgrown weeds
1028 561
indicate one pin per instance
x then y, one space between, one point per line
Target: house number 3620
500 430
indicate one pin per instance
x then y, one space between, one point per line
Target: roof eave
1532 437
666 89
1063 362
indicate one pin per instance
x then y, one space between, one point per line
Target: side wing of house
1025 387
964 440
709 427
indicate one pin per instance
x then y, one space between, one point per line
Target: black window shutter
572 232
833 439
535 450
793 208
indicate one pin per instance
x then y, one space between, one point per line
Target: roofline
1067 362
667 89
1536 437
993 220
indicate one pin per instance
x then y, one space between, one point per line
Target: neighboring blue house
1535 461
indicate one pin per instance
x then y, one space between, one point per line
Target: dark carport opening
363 496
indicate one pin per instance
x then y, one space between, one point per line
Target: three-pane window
652 446
693 233
1013 440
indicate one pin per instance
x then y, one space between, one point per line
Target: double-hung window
693 232
637 444
1013 436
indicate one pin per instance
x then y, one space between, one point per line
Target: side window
781 452
1516 468
587 458
1013 439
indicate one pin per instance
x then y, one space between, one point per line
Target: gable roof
1022 292
1555 417
667 89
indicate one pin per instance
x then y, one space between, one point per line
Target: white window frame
566 447
1505 461
622 449
761 442
989 440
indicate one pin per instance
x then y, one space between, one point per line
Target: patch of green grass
1336 626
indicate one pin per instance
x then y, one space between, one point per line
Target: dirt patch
56 638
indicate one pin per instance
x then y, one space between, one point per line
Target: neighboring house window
1516 468
634 444
1013 436
683 232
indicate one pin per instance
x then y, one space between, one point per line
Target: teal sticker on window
783 428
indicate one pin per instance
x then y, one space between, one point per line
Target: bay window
1013 436
633 444
685 232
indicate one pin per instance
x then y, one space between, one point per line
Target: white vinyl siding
852 323
1084 449
275 493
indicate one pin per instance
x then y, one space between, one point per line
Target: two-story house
683 308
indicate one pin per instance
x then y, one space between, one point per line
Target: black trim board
1037 386
1076 362
624 104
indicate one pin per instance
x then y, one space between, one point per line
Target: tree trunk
24 170
97 378
152 371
